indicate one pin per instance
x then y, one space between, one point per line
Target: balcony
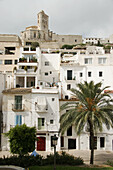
28 60
41 128
18 107
22 71
72 80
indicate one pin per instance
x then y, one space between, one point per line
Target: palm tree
92 109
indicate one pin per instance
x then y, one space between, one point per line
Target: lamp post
54 144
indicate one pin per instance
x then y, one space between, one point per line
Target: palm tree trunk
92 148
92 141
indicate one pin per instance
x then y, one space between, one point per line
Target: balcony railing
41 128
18 107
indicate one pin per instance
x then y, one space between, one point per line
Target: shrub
23 161
63 159
35 69
110 163
25 68
67 46
27 161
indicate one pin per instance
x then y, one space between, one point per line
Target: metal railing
18 107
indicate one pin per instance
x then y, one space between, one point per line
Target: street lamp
54 141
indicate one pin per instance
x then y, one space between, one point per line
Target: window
53 99
75 40
100 73
9 50
16 61
46 73
101 60
41 83
102 142
18 102
46 63
18 120
62 141
50 72
66 97
69 74
89 73
52 141
88 60
34 34
62 39
68 86
8 62
41 123
81 74
28 43
0 61
51 121
69 131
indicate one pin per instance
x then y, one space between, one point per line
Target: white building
37 103
34 107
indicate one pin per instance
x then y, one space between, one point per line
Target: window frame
89 74
46 63
8 62
87 60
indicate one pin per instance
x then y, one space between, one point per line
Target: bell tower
43 21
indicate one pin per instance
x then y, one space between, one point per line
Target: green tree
34 45
92 109
22 139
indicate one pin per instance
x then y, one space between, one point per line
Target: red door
41 144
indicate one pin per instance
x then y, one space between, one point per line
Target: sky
89 18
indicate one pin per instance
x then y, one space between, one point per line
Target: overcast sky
90 18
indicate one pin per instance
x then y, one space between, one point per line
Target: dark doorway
71 143
69 74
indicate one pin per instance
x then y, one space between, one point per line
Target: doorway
41 144
71 143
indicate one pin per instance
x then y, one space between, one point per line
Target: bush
27 161
63 159
67 46
23 161
110 163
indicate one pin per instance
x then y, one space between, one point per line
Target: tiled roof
17 90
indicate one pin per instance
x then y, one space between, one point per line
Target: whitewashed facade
34 107
57 72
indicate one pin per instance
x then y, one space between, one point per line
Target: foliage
110 163
33 59
15 68
27 161
23 161
25 68
63 159
34 45
93 109
99 44
35 69
67 46
22 139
